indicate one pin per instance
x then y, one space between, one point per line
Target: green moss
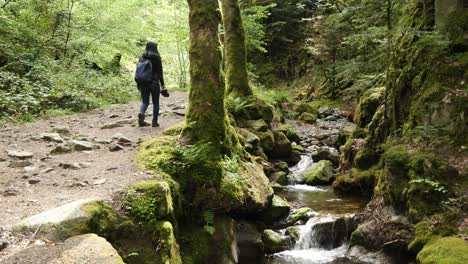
273 241
299 214
366 158
293 136
424 234
294 233
324 103
278 210
368 105
282 146
174 130
195 243
447 250
104 219
321 174
359 183
167 249
267 140
258 125
308 118
149 201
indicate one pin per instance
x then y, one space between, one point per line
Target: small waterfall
297 173
309 237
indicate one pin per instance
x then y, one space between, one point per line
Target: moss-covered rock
309 118
294 158
368 105
282 146
258 125
267 141
279 177
321 174
301 214
294 233
278 210
274 242
167 251
250 137
293 136
149 201
324 153
447 250
79 217
360 183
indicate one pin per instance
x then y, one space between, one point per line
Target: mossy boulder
368 105
274 242
250 108
302 107
366 158
294 158
293 136
301 214
79 217
278 210
279 177
294 233
282 146
258 125
324 153
415 182
167 251
356 183
250 137
321 174
309 118
447 250
149 201
267 140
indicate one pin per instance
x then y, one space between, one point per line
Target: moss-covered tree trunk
206 115
236 53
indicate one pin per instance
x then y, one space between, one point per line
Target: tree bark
236 53
206 119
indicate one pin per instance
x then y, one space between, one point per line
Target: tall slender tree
236 54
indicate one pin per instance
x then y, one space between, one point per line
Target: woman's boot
141 120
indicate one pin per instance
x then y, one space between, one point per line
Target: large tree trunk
206 119
236 54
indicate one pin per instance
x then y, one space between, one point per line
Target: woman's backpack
144 71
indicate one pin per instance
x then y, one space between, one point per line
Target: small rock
63 130
47 170
115 147
121 138
34 181
100 182
84 164
60 149
79 184
30 168
80 145
72 166
20 163
111 168
10 192
20 154
105 141
113 116
119 123
2 159
54 137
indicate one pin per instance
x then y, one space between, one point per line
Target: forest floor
84 165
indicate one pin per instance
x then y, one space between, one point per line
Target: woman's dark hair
151 50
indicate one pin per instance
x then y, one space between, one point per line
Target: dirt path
31 185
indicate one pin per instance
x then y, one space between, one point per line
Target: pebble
100 182
34 181
20 163
72 166
115 147
20 154
10 192
47 170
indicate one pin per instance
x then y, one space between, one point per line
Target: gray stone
121 138
80 145
70 166
10 191
68 219
279 177
60 149
20 154
361 254
20 163
324 153
115 147
333 233
34 181
119 123
88 249
52 137
47 170
321 174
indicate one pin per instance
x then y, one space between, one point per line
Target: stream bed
316 245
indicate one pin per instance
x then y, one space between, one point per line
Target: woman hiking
149 78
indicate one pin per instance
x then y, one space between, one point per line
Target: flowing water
310 248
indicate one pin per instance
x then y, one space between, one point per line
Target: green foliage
208 219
